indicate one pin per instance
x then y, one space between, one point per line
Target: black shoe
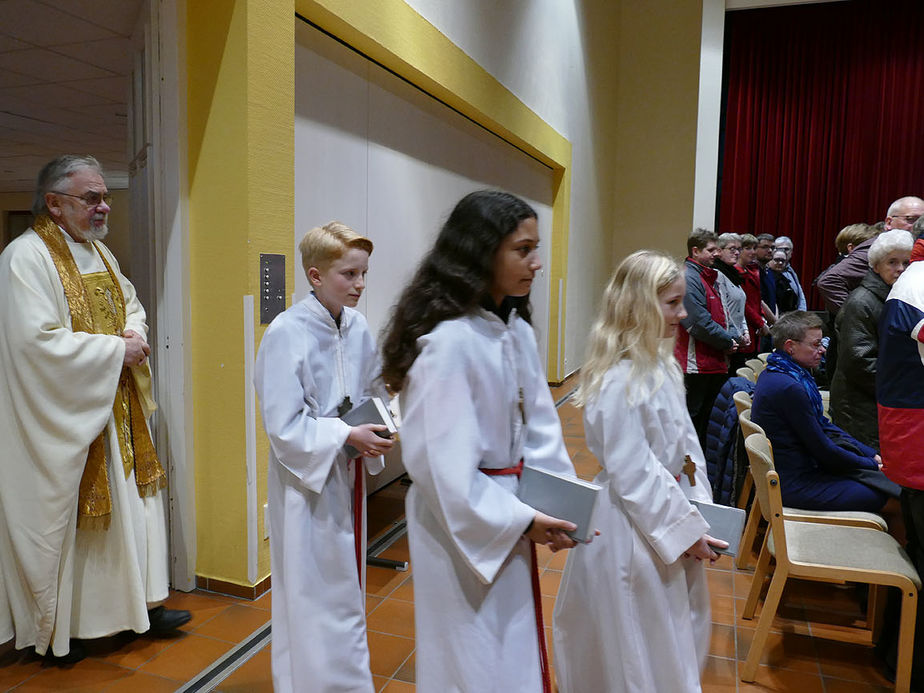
76 653
164 621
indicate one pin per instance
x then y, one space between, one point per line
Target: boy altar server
316 361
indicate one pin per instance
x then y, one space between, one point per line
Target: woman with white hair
853 388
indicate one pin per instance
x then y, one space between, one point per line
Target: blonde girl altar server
633 609
475 406
316 361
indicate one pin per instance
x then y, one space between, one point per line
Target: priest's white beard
95 233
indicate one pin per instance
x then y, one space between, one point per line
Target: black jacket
853 388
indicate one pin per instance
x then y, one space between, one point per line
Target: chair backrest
748 427
826 402
756 365
760 456
742 401
745 372
763 356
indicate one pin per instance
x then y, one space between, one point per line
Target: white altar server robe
304 369
473 600
632 614
57 390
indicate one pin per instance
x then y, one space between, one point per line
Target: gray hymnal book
564 497
725 523
372 411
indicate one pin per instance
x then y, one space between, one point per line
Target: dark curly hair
453 278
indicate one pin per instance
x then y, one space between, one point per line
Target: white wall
536 48
381 156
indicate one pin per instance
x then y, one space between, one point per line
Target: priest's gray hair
794 325
889 242
55 171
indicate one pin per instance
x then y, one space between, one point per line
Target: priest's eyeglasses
90 199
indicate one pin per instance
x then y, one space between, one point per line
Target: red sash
358 498
516 471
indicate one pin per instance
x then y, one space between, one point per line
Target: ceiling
64 85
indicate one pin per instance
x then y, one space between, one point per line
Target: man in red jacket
703 340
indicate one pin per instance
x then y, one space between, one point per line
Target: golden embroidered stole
97 306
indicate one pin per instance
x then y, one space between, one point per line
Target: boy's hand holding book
365 439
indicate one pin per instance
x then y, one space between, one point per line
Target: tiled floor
794 661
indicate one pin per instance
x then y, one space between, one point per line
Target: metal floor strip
207 679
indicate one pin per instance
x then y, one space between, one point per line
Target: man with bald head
836 282
83 534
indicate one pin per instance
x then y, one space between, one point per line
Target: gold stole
97 306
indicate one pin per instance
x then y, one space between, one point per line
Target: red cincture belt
358 498
516 471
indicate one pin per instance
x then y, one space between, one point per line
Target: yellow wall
642 64
657 77
241 201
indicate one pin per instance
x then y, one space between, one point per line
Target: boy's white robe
304 369
475 624
632 614
57 389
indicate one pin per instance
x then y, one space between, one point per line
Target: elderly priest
83 536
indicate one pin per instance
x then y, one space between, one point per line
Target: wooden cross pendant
689 468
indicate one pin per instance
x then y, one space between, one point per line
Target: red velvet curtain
824 121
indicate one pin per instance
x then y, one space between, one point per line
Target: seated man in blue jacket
821 467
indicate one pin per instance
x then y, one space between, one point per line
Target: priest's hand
550 531
136 349
702 549
364 439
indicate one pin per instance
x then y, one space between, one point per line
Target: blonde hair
324 244
630 326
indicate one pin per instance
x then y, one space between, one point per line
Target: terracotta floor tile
388 652
187 657
395 686
719 675
723 610
393 616
852 662
724 563
202 605
16 666
139 682
254 676
742 582
407 672
398 551
548 608
234 624
88 675
722 643
129 650
372 602
405 590
379 683
264 601
841 686
549 582
382 581
783 650
787 681
558 560
721 583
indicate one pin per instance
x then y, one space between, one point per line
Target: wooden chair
763 356
756 365
851 518
743 403
825 553
745 372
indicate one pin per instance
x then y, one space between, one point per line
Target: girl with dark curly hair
476 406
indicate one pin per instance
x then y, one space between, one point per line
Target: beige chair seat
834 547
859 516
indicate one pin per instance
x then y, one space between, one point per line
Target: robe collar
317 308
